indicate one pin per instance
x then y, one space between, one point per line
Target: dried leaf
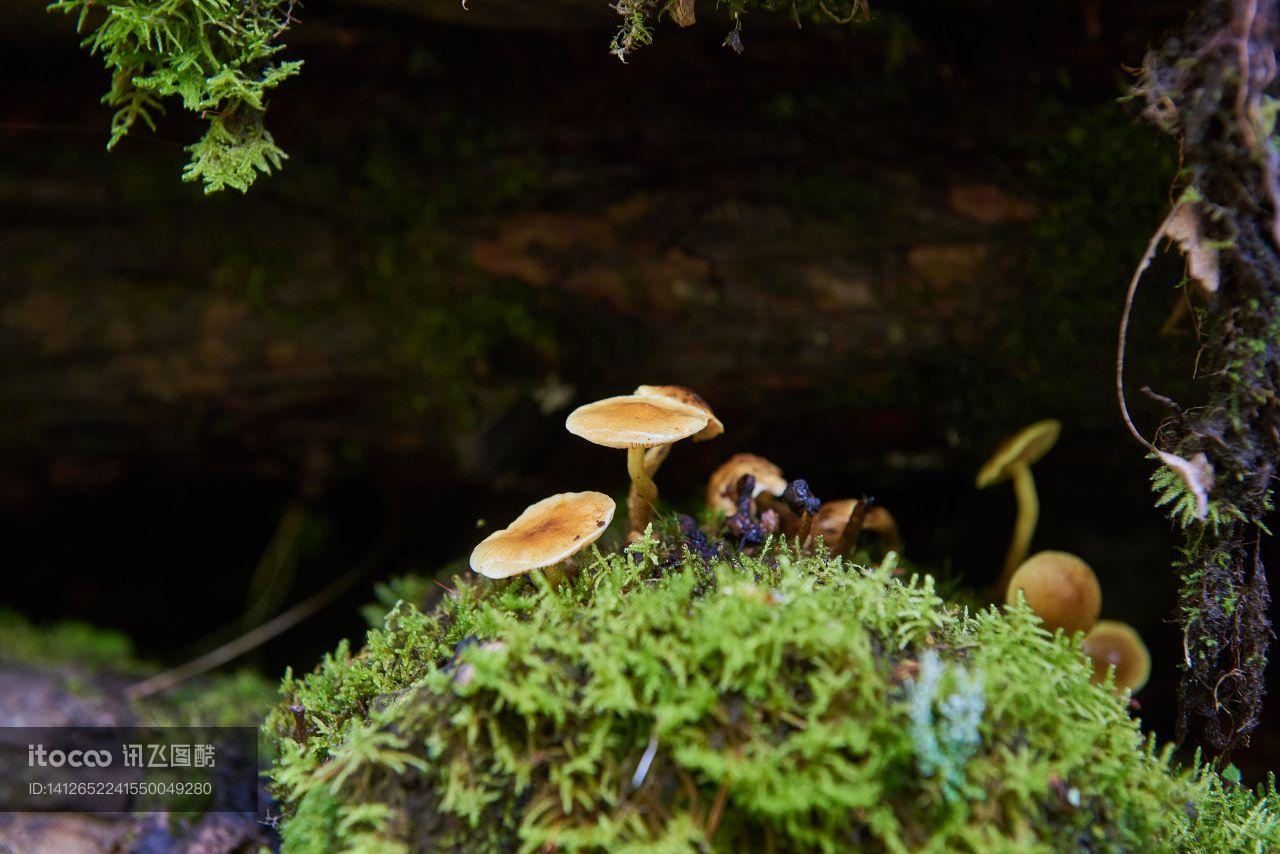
1197 474
1202 257
681 12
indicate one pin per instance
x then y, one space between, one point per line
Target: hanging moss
217 56
774 702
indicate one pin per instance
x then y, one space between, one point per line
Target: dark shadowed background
875 249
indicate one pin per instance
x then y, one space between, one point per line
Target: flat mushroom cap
690 397
1022 448
544 534
632 421
768 477
1060 588
1113 642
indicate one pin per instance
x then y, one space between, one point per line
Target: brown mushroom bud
636 423
1060 588
545 534
1012 461
654 457
724 480
1112 643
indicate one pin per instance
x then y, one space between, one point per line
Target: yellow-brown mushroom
635 423
1012 461
1060 588
544 534
1112 643
655 456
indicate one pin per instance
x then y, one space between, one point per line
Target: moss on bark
1214 88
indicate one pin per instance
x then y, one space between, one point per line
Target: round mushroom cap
632 421
544 534
1060 588
725 480
687 396
1113 643
1021 449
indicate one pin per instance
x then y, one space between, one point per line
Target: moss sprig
217 56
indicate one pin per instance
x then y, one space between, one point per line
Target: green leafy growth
216 56
653 701
1172 492
231 156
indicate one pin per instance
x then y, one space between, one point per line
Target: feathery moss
217 56
770 702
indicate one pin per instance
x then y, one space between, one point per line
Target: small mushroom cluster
755 497
1063 592
646 423
1059 587
758 500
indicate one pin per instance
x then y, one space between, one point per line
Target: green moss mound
777 702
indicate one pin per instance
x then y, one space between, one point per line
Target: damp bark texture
1213 88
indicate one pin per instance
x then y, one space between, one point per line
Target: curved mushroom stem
643 491
1024 489
654 458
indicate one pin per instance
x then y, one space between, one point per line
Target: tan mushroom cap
1112 642
632 421
1060 588
1022 448
688 397
544 534
724 479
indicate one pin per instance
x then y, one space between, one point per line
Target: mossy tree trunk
1214 89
